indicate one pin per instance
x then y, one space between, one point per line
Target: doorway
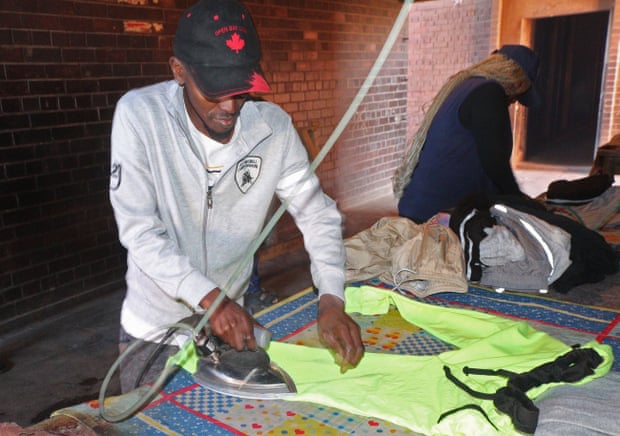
562 130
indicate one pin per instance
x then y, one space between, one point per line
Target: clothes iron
245 374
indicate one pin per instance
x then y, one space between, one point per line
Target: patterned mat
186 408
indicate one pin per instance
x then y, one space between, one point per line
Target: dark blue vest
449 167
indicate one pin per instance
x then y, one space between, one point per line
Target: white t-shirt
216 156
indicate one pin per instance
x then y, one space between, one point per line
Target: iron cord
144 397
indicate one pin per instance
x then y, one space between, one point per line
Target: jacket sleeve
134 199
317 217
485 113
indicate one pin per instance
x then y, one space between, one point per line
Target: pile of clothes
515 243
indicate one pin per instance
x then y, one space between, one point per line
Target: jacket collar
254 127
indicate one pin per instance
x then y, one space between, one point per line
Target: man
195 164
464 144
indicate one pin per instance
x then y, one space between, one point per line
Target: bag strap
513 400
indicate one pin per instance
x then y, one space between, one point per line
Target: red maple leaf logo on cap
235 43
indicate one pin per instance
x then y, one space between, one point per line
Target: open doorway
563 129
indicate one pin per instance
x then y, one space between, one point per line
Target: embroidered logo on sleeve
115 176
247 172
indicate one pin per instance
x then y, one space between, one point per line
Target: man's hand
230 322
339 332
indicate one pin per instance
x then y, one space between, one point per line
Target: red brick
61 70
9 105
131 12
101 40
19 5
90 9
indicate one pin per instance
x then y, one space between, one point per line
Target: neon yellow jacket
413 391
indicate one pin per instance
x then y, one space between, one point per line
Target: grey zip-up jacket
184 238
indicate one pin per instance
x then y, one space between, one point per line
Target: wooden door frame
516 26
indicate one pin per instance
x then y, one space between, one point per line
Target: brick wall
437 50
611 103
65 64
370 147
318 54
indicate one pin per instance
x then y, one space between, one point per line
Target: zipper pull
209 198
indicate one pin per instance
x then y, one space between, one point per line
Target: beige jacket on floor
418 259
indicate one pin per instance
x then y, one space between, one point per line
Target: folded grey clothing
500 246
591 257
588 409
552 242
579 190
543 245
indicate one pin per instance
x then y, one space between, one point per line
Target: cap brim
221 82
531 98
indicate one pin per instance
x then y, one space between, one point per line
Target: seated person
465 141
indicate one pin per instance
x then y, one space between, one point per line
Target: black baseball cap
218 43
528 60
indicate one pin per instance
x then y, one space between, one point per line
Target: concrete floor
64 360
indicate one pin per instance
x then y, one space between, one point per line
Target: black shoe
580 190
255 301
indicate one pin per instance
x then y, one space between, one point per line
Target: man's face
214 118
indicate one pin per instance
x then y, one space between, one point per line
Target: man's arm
485 113
319 220
230 322
339 332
